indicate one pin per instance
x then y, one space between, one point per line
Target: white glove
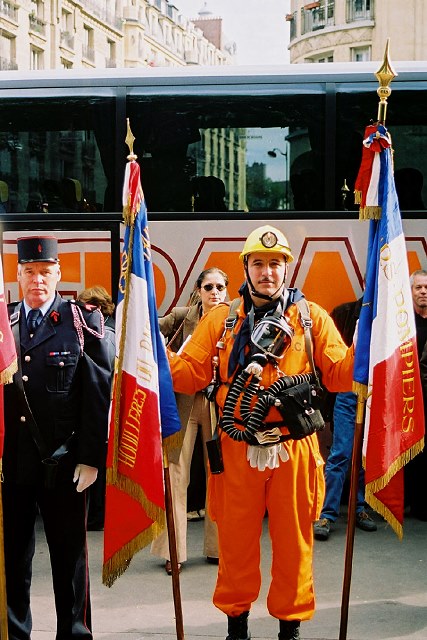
84 475
266 457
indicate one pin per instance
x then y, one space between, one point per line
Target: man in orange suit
265 344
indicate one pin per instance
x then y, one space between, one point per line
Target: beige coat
176 327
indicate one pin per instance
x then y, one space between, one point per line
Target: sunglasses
210 286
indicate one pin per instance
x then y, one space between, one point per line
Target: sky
258 27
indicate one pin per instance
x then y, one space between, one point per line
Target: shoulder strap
230 321
307 323
180 314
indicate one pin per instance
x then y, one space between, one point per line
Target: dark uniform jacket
59 387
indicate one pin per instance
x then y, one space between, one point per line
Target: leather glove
84 475
266 457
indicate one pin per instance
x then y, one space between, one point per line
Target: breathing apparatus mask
272 336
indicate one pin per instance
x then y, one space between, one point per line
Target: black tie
34 318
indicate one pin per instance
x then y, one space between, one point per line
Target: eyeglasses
210 286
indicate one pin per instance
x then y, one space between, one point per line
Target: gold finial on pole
130 139
384 75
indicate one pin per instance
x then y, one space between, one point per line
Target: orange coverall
292 493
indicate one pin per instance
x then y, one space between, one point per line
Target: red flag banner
143 409
386 370
8 363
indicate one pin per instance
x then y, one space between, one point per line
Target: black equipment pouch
216 463
210 391
299 412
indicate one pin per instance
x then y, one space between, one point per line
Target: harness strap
307 324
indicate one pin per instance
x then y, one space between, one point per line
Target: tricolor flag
386 367
8 362
143 409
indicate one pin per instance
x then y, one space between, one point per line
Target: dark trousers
63 512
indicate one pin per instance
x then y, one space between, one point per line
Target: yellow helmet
266 239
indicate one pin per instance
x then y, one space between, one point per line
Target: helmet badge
269 240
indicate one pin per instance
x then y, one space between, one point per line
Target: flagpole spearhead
130 139
384 75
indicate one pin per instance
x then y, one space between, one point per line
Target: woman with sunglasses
177 327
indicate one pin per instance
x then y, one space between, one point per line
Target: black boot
238 627
289 630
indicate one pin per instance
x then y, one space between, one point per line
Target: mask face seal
272 336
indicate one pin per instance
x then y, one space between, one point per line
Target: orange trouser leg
238 499
293 498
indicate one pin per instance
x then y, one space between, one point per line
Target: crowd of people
246 376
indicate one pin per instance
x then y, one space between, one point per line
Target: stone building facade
357 30
52 34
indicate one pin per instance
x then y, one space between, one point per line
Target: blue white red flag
143 409
386 367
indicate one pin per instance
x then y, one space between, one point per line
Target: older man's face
38 282
419 294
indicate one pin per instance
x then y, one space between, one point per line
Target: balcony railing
88 53
37 25
8 64
292 19
67 40
318 17
110 63
9 9
105 16
359 10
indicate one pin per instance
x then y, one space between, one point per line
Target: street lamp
273 154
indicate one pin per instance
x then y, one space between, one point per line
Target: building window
36 59
66 64
37 9
361 54
317 15
8 50
321 59
359 10
88 43
111 59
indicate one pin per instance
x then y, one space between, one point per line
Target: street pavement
388 595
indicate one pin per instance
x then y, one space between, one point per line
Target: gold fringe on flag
6 375
371 488
370 213
119 562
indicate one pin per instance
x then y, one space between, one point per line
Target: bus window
267 150
55 152
407 123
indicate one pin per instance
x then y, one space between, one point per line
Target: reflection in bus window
247 142
55 154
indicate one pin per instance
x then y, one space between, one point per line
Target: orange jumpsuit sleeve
331 355
192 369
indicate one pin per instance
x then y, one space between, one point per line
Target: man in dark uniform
56 416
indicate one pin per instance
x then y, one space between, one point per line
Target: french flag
386 370
143 410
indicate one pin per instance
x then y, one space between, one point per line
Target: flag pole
179 623
384 75
3 596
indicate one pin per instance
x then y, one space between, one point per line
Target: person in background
345 317
195 415
97 296
264 467
416 469
56 419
